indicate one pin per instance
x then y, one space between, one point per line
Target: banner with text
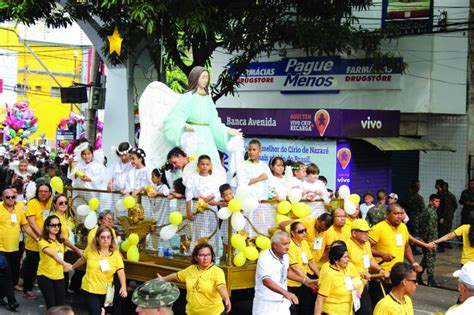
319 75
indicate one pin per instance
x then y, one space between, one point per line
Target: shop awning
406 144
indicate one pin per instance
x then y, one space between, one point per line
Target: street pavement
426 300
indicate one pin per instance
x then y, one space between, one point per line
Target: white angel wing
154 105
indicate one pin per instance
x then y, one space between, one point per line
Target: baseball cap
155 293
393 196
466 273
361 225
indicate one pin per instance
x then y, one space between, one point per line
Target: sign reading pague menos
318 75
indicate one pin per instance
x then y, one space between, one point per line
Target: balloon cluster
350 200
248 252
243 201
88 211
130 247
168 231
298 208
125 203
76 123
19 123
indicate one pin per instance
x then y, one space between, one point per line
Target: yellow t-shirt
95 280
330 236
391 306
332 285
300 256
47 266
360 256
201 289
467 250
10 227
314 238
91 235
389 239
34 208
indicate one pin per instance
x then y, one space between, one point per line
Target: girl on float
204 186
120 168
139 177
89 171
277 184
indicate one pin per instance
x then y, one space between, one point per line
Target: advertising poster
343 165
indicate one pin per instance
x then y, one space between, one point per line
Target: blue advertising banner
343 165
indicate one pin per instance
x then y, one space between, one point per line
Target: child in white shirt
299 174
139 177
368 203
277 184
159 188
313 188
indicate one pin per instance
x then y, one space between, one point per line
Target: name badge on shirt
318 243
45 214
355 300
348 282
13 218
104 265
366 260
60 254
304 258
399 239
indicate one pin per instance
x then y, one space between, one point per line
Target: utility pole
91 113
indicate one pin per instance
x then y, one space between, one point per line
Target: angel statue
190 121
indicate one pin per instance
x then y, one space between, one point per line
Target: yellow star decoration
115 42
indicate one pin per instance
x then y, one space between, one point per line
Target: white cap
393 196
466 273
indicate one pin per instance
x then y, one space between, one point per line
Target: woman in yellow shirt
51 265
302 263
466 232
340 284
205 283
102 260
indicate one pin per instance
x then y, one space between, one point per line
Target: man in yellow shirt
398 301
339 231
360 254
12 221
37 210
389 239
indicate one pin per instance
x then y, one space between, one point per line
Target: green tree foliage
194 29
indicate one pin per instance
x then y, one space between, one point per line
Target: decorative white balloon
237 221
249 204
242 192
83 210
344 192
224 213
349 207
294 195
91 220
119 205
167 232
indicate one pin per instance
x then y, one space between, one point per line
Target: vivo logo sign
371 124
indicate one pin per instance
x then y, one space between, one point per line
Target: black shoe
3 303
432 283
12 306
419 280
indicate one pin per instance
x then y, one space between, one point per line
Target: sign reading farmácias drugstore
318 75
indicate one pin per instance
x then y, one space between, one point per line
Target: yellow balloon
57 184
284 207
239 259
94 203
263 242
133 239
281 218
251 253
298 210
355 198
133 254
238 241
79 173
129 202
175 218
125 246
235 205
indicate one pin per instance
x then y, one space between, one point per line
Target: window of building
55 91
21 88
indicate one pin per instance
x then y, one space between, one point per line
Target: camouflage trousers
428 261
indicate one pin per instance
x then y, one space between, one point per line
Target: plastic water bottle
160 251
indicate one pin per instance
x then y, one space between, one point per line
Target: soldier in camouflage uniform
451 205
429 232
414 206
377 213
156 295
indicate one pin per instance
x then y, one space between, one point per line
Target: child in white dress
87 172
159 188
139 177
206 187
299 175
277 184
120 168
313 188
